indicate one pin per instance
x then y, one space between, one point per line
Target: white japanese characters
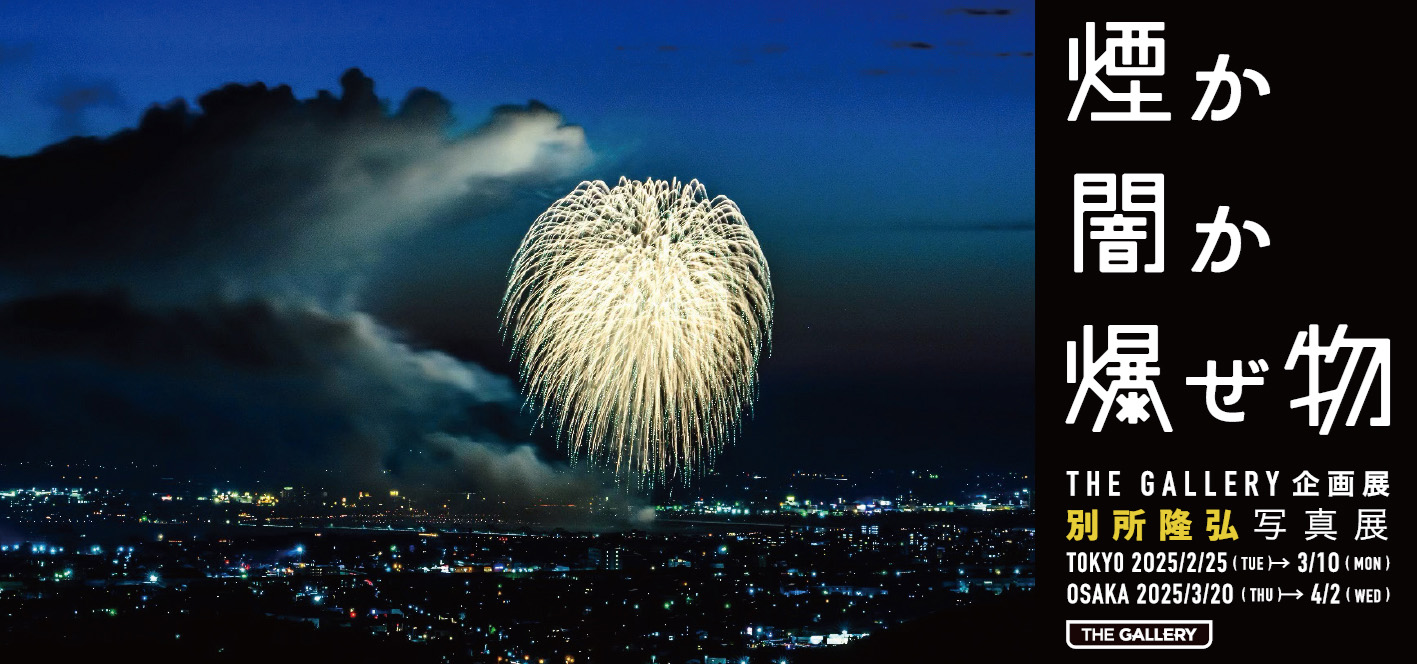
1150 60
1136 53
1131 351
1219 227
1098 214
1306 344
1213 79
1236 381
1120 224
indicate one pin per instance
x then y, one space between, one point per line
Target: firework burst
638 313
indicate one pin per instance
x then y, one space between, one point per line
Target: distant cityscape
743 568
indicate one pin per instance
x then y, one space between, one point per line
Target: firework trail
638 313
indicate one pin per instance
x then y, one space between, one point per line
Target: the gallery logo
1148 634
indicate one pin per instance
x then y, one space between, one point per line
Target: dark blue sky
750 91
883 152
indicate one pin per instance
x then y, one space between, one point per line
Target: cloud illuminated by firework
639 313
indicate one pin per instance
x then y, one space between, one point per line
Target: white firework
639 313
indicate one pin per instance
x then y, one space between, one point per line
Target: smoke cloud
261 191
518 473
187 292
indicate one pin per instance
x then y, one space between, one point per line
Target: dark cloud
979 12
281 382
157 298
70 99
263 388
261 186
668 47
773 49
918 45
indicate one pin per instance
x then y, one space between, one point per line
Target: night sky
283 282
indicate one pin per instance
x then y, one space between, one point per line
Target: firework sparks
638 313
